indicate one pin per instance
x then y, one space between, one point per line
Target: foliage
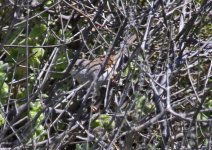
36 107
4 88
104 121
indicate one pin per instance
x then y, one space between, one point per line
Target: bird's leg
95 98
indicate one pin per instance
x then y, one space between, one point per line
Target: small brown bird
86 70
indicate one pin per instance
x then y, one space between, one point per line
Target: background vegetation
162 96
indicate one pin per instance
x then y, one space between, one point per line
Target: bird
85 70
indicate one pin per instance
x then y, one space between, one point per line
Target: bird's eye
76 66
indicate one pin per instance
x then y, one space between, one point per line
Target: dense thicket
160 96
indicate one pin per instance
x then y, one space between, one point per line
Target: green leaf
35 108
4 92
49 3
209 103
3 67
38 53
38 31
103 121
2 121
4 88
141 104
140 101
